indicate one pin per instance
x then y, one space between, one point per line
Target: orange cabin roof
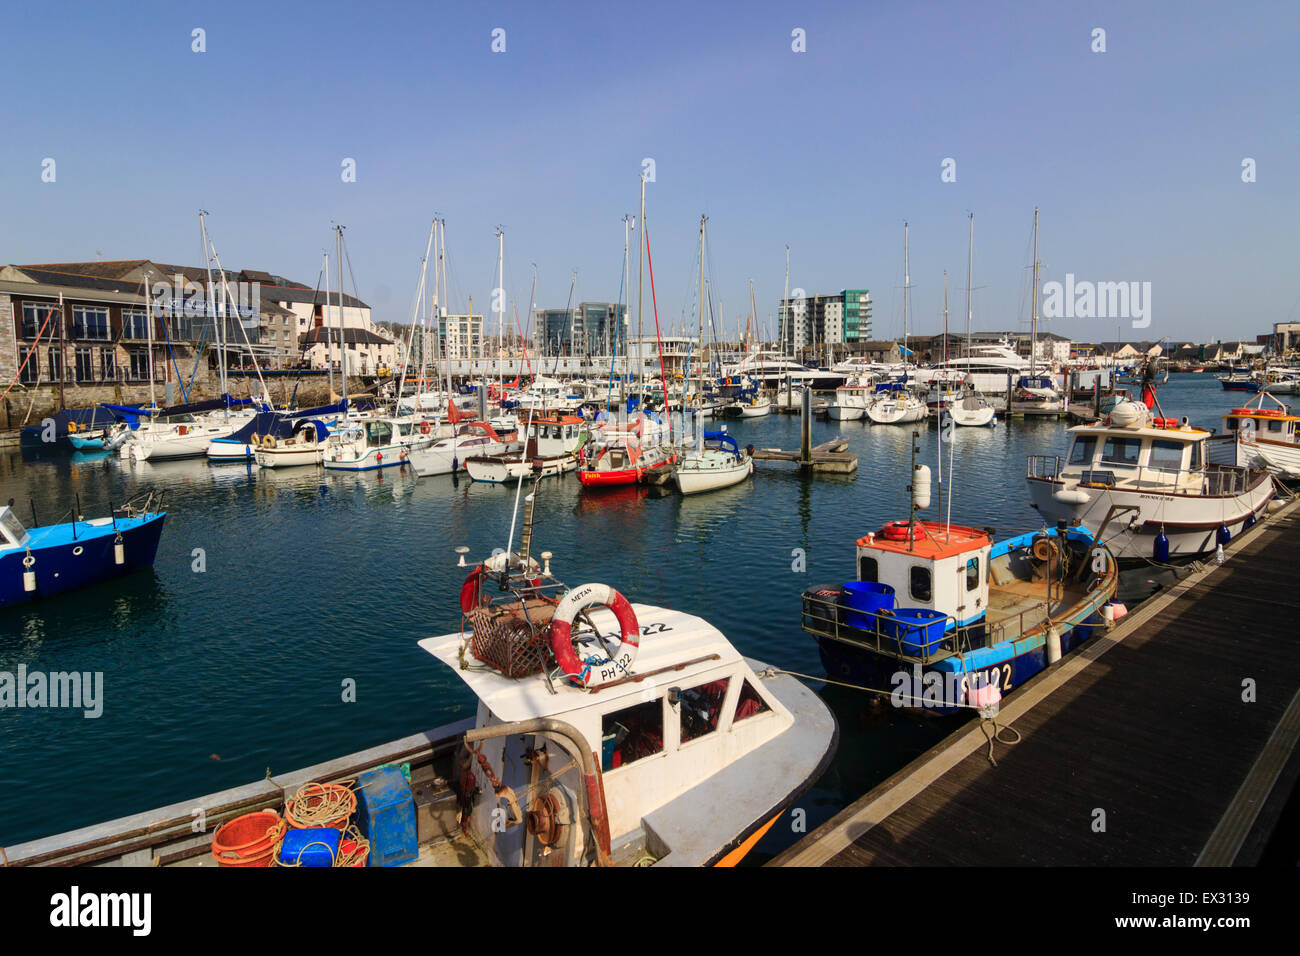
933 540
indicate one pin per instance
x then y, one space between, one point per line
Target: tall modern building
840 318
593 328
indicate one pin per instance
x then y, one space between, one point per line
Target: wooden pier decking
1138 750
829 456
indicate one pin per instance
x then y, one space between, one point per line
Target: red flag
1148 396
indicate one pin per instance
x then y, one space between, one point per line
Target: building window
90 322
107 366
138 359
56 365
701 707
135 324
34 316
31 373
85 365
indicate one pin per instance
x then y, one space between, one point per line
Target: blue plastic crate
386 816
304 847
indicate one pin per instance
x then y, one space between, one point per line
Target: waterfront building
592 328
843 317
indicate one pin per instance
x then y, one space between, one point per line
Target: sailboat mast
153 402
325 324
216 325
640 297
970 286
622 319
343 355
699 387
441 303
1033 312
500 304
907 281
785 305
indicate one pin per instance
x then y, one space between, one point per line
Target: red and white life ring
577 600
424 428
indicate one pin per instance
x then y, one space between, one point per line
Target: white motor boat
1145 485
550 449
379 442
447 455
850 404
1259 437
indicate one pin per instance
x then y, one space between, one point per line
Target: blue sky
1133 155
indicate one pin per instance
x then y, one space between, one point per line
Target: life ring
268 441
898 531
577 600
424 428
72 428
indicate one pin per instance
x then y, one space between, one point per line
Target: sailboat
972 408
892 403
717 462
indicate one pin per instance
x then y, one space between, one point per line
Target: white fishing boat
605 733
850 404
448 455
1145 485
550 449
716 463
379 442
1256 436
306 446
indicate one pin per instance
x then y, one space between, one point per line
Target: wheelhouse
12 532
1166 457
929 565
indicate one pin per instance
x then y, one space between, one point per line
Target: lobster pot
512 638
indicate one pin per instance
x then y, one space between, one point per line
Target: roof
937 540
323 335
677 638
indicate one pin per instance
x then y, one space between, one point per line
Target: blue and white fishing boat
45 561
944 618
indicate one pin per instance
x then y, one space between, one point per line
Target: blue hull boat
59 558
942 619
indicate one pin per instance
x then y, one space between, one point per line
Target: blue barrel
918 630
864 598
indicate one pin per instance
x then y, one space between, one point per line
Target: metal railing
1211 479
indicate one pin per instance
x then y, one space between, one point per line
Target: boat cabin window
750 703
1121 451
919 583
628 735
13 528
1275 426
701 707
972 574
1082 449
1195 463
1166 455
868 569
1230 424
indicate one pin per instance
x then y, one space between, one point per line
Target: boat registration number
993 675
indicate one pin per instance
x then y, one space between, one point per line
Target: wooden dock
829 456
1141 749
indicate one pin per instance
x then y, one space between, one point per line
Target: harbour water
274 592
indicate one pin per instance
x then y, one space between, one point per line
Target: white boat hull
283 456
507 469
892 412
1191 522
693 480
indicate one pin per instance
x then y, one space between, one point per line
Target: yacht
379 442
1146 486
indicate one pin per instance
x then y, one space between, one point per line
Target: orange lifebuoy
592 674
898 531
424 428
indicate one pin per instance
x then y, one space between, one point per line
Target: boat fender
576 601
1053 644
119 550
29 576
